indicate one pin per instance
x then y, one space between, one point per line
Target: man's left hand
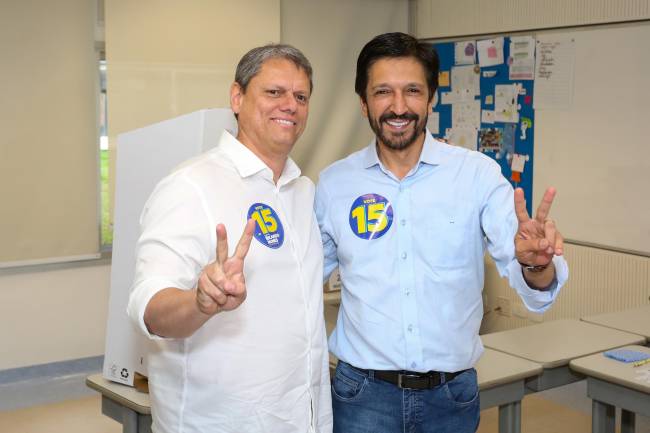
537 240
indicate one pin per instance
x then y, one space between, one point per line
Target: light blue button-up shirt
411 256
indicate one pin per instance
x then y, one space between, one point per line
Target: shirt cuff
536 300
140 296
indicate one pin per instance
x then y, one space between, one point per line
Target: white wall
52 315
331 34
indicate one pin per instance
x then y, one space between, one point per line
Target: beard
398 141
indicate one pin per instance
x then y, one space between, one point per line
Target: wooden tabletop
554 344
497 368
124 395
620 373
635 320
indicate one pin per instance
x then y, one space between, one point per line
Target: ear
364 107
236 96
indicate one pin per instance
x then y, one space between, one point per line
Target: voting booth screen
144 157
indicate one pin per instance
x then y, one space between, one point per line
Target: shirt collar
431 152
248 164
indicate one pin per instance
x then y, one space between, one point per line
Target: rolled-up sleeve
174 245
499 224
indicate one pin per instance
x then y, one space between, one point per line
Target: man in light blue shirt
407 220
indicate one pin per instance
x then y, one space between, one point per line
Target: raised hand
222 286
538 239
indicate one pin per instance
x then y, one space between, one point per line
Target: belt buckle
400 376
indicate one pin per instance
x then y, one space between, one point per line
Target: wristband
533 268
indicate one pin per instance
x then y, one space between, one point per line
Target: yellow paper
443 79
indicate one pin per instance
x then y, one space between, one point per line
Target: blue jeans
364 404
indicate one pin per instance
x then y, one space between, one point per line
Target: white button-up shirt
262 367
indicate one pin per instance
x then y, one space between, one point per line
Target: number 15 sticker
268 228
371 216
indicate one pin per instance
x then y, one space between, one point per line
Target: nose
289 103
399 103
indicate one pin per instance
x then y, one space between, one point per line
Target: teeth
397 123
284 122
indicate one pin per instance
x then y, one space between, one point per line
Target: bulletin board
484 102
589 131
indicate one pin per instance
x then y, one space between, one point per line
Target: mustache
394 116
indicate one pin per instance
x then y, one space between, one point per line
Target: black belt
414 380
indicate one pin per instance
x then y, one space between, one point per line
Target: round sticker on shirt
371 215
268 228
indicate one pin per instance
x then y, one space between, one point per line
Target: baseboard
46 383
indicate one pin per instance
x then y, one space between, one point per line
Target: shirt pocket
451 234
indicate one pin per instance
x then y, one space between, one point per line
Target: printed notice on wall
522 58
555 58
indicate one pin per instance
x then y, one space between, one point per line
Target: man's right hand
221 285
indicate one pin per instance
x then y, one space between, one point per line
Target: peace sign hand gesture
222 286
537 240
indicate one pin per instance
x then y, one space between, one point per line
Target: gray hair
251 63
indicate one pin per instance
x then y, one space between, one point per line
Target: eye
382 92
273 92
302 98
414 90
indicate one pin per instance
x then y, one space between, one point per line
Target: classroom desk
501 381
635 320
554 344
612 384
123 404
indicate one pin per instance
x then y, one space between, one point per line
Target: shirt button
403 256
403 222
407 291
413 364
410 328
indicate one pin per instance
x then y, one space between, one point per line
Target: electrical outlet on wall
504 307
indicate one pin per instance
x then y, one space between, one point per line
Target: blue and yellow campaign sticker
371 215
268 228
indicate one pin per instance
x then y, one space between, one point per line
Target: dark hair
396 45
251 63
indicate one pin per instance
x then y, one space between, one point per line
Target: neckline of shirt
248 164
431 154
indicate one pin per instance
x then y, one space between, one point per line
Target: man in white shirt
239 341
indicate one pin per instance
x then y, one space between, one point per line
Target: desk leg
628 421
129 421
603 417
125 416
510 417
517 426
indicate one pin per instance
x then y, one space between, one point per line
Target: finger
207 288
531 246
235 285
545 205
245 240
559 244
550 235
520 206
222 244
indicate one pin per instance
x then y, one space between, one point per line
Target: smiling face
272 112
397 103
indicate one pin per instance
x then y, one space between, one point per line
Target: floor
565 409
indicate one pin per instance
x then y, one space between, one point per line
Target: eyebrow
414 84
